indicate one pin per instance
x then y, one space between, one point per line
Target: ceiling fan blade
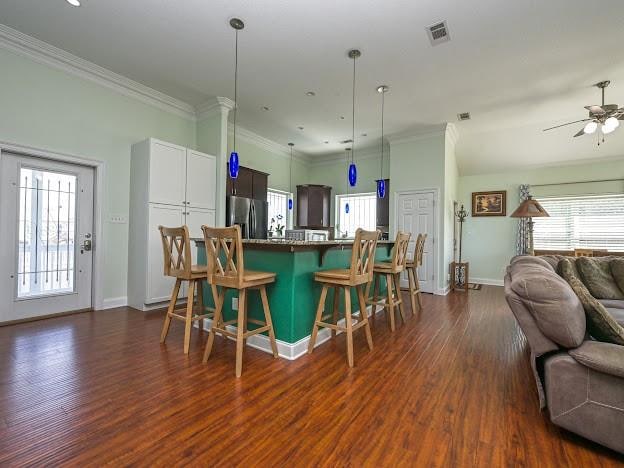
580 132
563 125
596 110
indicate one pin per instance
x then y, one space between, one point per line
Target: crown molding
269 145
214 106
419 134
47 54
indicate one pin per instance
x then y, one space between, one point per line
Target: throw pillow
617 270
596 275
600 324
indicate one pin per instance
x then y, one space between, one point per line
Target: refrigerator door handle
252 223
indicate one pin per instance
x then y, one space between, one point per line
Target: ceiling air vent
344 142
438 33
463 116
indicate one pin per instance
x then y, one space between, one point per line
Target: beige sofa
579 380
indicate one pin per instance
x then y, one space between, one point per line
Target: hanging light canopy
381 183
290 200
233 166
352 173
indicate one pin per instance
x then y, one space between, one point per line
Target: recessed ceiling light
300 127
310 93
326 142
266 108
364 134
74 2
342 117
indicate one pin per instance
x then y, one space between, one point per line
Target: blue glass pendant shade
381 188
290 203
233 166
352 174
347 208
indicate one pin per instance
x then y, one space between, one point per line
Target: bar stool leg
390 301
170 309
417 284
410 280
397 288
267 319
319 315
335 309
364 317
240 330
189 316
216 320
200 302
348 319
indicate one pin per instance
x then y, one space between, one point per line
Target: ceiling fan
605 116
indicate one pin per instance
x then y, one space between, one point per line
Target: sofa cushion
600 324
596 276
531 260
552 303
603 357
617 270
553 260
612 303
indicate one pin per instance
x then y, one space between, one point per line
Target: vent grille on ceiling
438 33
463 116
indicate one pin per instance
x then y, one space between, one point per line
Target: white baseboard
290 351
442 291
488 281
113 302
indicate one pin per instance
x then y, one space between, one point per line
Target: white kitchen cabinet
170 186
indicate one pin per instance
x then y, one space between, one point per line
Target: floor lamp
530 209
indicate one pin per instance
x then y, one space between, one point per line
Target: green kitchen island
294 296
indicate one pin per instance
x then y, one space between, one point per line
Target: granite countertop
297 242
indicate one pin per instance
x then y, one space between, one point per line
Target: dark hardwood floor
451 388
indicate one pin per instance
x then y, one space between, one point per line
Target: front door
415 214
46 208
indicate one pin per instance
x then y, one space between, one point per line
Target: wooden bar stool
359 273
177 252
392 271
226 244
412 272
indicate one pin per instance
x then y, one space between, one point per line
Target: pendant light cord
383 98
353 116
290 180
235 86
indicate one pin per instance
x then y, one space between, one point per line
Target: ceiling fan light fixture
606 129
591 127
612 122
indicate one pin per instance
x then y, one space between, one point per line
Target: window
362 213
279 214
595 222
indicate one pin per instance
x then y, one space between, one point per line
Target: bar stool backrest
399 256
177 251
224 253
363 256
420 248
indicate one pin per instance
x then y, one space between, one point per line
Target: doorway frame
99 167
436 241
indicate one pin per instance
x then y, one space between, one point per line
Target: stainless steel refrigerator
251 215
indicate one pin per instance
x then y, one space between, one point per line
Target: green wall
489 243
47 108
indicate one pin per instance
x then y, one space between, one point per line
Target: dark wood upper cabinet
249 183
383 209
313 205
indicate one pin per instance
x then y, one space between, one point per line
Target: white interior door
415 214
46 208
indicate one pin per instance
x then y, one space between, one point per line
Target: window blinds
594 222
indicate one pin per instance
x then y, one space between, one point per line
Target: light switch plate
117 219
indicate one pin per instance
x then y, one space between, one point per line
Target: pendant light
290 200
347 150
237 24
352 173
381 183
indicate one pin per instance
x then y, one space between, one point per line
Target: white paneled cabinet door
159 286
167 174
415 214
201 180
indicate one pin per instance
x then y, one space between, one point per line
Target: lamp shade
530 208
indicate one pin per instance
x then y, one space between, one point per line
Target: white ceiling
517 66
